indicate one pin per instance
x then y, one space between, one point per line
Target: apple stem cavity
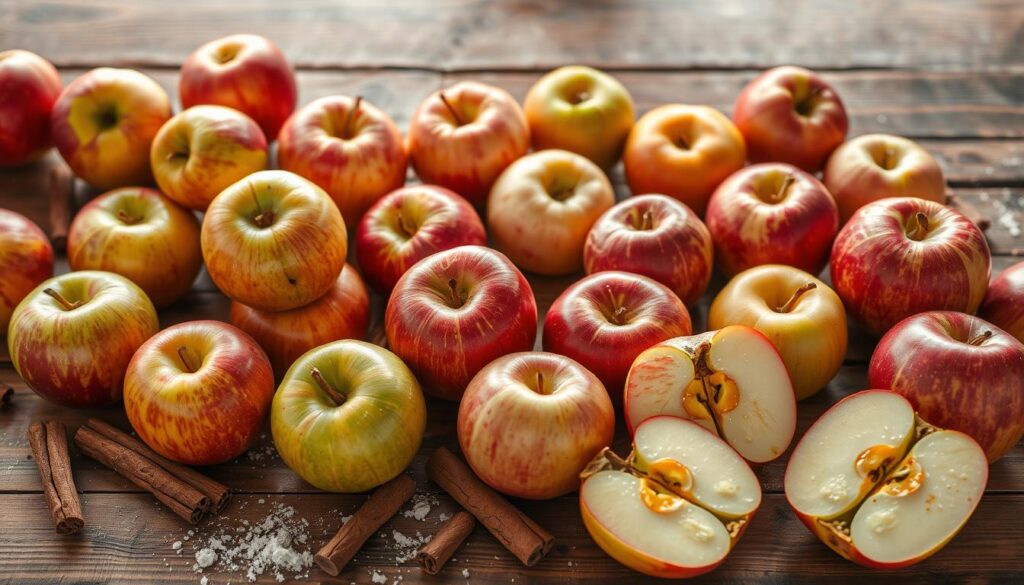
457 299
980 338
127 219
264 219
336 397
186 361
793 300
919 229
540 384
68 305
403 226
458 120
646 221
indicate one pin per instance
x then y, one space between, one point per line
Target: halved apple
880 486
731 381
676 506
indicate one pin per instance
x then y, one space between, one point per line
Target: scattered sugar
465 573
176 546
420 506
378 577
444 517
205 557
408 546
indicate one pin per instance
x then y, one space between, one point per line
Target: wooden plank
484 34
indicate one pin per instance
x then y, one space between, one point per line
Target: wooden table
945 73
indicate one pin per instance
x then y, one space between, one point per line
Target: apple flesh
26 259
1004 301
676 506
731 381
880 486
30 88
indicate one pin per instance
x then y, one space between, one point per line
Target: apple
348 416
732 382
409 224
1004 301
606 319
199 392
772 213
684 152
26 259
542 207
959 372
655 236
104 123
350 148
72 337
245 72
342 313
274 241
464 136
204 150
802 317
140 234
456 311
902 256
877 166
791 115
30 88
880 486
676 506
582 110
530 422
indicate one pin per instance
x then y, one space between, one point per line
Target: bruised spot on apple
31 86
26 259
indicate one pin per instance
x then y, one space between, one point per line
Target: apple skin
342 313
1004 301
349 148
542 207
279 261
884 275
104 123
530 422
582 110
26 259
438 218
772 213
207 411
811 336
447 340
367 440
791 115
684 152
140 234
77 357
30 86
203 150
467 153
877 166
955 377
655 236
245 72
608 318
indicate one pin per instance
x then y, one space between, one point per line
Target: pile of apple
875 481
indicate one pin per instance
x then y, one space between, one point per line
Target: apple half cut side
880 486
731 381
676 506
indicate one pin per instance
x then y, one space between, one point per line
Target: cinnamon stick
5 397
183 499
442 546
62 194
49 442
523 537
382 505
218 493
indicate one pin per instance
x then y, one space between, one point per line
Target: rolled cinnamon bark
62 194
49 442
442 546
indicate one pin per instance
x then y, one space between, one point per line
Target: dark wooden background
946 73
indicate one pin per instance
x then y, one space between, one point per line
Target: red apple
606 319
455 312
342 313
901 256
350 148
1004 301
29 86
410 224
72 337
245 72
26 259
959 372
104 123
140 234
464 136
199 392
772 214
656 236
791 115
204 150
530 422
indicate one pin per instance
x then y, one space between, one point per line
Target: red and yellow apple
1004 301
26 259
30 88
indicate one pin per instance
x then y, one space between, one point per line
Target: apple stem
68 305
647 220
457 299
336 397
185 360
786 184
264 219
448 104
980 338
793 300
920 230
125 218
887 162
351 114
402 225
540 383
